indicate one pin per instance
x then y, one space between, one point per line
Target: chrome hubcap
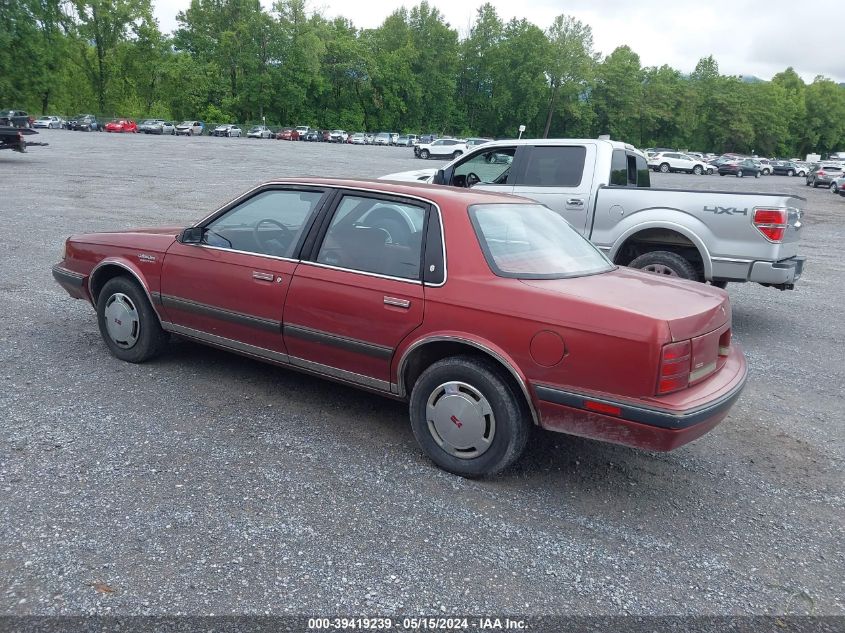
460 420
660 269
122 322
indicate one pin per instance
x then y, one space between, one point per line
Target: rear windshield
530 241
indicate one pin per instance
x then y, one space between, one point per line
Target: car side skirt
369 383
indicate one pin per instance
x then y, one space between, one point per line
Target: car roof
435 193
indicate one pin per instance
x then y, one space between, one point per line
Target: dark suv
85 122
824 174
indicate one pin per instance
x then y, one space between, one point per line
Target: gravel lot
206 483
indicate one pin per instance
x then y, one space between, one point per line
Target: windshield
530 241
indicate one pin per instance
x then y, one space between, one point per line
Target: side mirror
192 235
439 177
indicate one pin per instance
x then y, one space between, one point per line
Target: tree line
232 60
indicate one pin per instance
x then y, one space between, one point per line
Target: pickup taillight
675 363
771 223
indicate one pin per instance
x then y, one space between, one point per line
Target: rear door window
554 166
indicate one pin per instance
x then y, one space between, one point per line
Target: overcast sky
757 38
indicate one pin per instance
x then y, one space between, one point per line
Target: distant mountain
751 79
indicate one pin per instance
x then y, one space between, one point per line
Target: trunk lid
690 309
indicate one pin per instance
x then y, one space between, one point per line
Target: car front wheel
468 418
697 170
128 324
424 154
739 174
664 168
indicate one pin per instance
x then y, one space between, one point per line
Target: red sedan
288 134
489 314
122 125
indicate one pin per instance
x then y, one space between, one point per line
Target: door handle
575 202
262 276
399 303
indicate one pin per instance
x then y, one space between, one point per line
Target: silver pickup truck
602 188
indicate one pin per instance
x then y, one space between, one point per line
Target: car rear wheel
697 170
790 173
739 174
665 263
456 154
834 188
128 324
709 171
424 154
468 418
664 168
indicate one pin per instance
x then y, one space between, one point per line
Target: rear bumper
642 425
784 272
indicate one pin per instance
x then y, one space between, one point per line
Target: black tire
697 170
757 174
834 188
149 338
739 174
511 420
424 154
790 173
664 168
710 171
456 155
815 184
677 266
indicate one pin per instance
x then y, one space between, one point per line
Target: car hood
689 308
418 175
154 238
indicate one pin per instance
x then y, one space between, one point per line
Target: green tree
618 94
571 63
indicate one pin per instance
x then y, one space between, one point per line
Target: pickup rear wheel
665 263
468 418
128 324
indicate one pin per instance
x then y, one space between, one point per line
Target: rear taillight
725 344
820 173
674 367
771 223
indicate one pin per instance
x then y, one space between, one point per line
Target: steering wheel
471 180
263 243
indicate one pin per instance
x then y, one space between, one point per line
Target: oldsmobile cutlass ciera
488 313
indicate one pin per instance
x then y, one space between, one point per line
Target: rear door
360 293
559 176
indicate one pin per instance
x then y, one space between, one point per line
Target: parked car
228 130
475 142
259 131
313 136
788 168
49 122
190 128
838 185
157 126
442 147
666 162
370 138
337 136
532 325
325 136
711 236
394 137
382 138
824 174
359 138
303 131
17 118
122 125
85 123
740 168
765 166
288 134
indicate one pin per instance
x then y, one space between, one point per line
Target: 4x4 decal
726 210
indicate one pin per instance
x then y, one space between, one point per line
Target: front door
490 170
231 288
361 293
